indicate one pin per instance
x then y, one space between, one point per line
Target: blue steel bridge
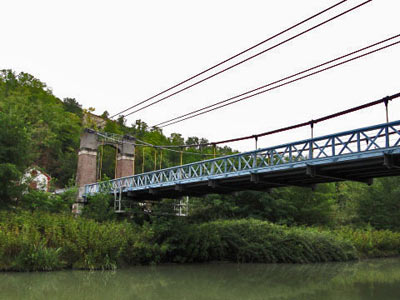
357 155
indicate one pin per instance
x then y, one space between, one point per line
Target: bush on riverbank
39 241
43 241
251 241
372 243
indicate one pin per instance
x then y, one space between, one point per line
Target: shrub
38 258
379 204
251 241
372 243
99 208
39 200
41 241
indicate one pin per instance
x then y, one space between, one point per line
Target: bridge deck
358 155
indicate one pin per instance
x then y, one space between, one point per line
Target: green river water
372 279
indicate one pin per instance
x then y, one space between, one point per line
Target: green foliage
379 204
54 131
99 208
250 241
43 241
38 200
372 243
72 106
37 258
291 206
9 188
14 155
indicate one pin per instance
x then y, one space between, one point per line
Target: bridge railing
378 137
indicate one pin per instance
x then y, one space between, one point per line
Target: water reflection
375 279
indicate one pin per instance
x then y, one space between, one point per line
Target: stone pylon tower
87 156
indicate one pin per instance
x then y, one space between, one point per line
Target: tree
54 131
71 105
14 156
379 204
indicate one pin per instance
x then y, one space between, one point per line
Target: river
370 279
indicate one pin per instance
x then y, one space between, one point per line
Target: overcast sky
112 54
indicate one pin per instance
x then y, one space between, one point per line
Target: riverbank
42 241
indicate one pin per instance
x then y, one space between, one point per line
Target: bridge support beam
179 187
257 179
223 188
313 172
390 161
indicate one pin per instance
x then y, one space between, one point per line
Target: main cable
295 126
288 82
230 58
247 59
269 84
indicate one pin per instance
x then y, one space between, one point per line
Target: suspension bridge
356 155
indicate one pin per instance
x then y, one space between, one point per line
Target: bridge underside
362 169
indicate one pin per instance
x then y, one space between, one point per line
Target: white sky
112 54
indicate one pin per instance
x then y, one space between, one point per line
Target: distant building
37 179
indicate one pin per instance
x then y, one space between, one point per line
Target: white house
37 179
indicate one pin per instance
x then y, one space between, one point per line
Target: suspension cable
271 83
299 125
283 84
249 58
230 58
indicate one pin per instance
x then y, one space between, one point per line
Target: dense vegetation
44 241
336 222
